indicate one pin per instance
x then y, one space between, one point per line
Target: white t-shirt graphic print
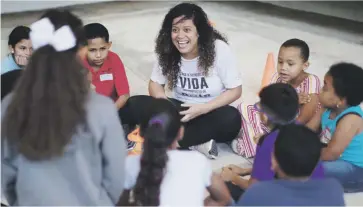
194 87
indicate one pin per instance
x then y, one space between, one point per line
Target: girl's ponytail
153 162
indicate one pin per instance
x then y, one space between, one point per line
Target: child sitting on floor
158 176
106 68
278 106
295 155
341 122
293 60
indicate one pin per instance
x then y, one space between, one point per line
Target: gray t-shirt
322 192
90 173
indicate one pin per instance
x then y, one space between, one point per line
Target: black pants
235 191
222 124
8 81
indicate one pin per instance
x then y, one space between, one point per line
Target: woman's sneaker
209 149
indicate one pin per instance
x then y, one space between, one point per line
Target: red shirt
110 80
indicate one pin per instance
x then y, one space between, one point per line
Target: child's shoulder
313 77
112 55
114 59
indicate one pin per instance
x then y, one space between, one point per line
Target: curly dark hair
168 55
159 131
48 101
348 82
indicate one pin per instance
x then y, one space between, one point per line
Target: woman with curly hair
198 67
60 142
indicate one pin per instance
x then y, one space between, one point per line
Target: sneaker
209 149
234 145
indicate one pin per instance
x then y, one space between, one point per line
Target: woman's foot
209 149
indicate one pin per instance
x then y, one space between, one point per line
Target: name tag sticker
105 77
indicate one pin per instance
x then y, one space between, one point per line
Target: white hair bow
43 33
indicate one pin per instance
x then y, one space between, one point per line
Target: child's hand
21 60
304 98
257 137
238 170
227 174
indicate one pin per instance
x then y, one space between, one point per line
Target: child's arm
121 83
219 194
348 127
308 110
121 101
315 123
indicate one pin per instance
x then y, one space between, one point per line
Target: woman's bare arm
156 90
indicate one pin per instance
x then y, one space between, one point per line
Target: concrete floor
253 29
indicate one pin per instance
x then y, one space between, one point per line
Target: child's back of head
48 102
279 102
297 151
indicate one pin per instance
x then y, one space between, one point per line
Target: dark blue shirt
324 192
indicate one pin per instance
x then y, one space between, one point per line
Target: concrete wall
352 10
10 6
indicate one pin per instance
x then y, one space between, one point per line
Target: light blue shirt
89 173
354 151
8 64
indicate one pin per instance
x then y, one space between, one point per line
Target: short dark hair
17 34
348 82
281 99
297 150
96 30
302 45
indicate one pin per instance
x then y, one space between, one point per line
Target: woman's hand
21 60
193 111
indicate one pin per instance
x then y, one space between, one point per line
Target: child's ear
109 44
306 65
11 49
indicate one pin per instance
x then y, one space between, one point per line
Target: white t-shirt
193 86
188 173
